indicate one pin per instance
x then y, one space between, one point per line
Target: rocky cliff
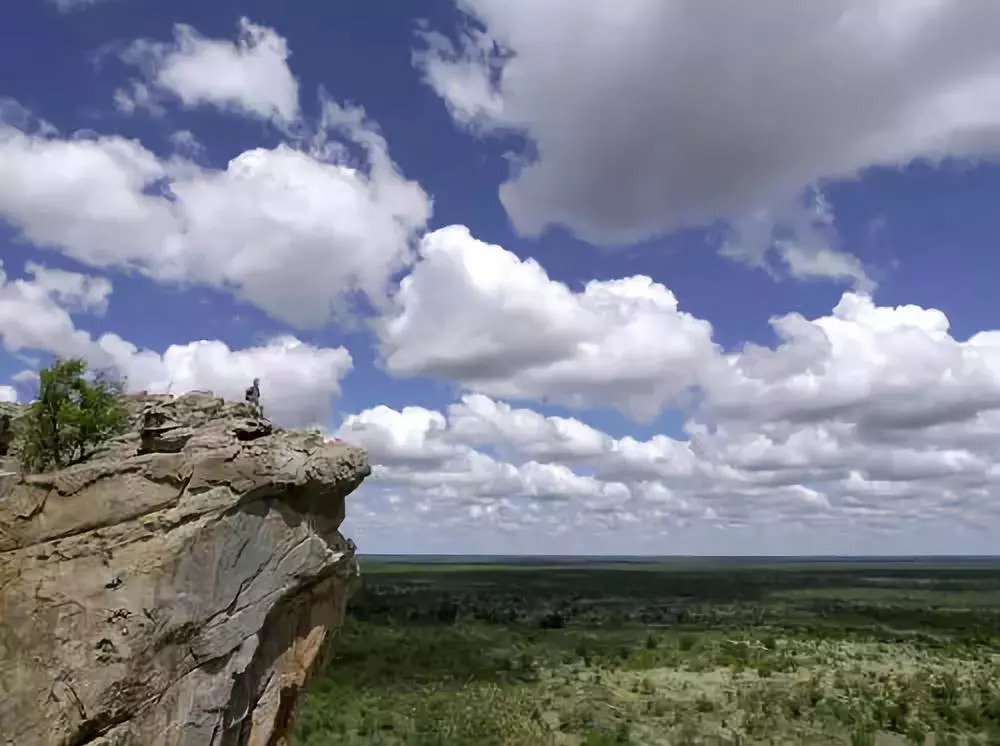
178 587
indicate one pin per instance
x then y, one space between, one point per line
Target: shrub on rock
75 413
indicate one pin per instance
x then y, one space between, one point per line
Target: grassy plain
675 652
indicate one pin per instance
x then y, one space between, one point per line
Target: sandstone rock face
178 588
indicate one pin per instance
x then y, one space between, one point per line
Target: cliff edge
178 587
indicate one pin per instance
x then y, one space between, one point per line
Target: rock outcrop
177 588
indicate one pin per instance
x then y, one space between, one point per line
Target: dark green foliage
74 414
8 413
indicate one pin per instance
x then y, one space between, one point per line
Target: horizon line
682 556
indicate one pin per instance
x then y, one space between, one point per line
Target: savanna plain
475 652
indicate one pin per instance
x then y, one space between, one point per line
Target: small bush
704 704
74 414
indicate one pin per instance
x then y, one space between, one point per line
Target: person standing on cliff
252 397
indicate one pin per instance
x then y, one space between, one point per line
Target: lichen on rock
177 588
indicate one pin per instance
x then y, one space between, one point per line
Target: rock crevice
179 587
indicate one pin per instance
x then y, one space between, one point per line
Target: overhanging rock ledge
177 588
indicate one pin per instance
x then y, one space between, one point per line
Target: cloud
413 449
479 420
298 380
644 116
801 238
877 367
871 418
826 476
296 231
519 433
31 319
72 290
8 393
506 329
806 263
186 144
70 5
250 76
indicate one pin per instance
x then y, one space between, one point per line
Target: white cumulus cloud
250 75
868 419
506 329
875 366
412 448
298 380
825 478
296 232
503 327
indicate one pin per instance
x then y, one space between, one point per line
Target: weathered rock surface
178 588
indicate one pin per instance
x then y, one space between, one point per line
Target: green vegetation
74 414
664 653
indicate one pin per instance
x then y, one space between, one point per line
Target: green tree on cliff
74 414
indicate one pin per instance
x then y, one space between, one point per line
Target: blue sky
582 279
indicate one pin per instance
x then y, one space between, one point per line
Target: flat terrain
679 651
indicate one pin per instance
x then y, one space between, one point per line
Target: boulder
179 587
